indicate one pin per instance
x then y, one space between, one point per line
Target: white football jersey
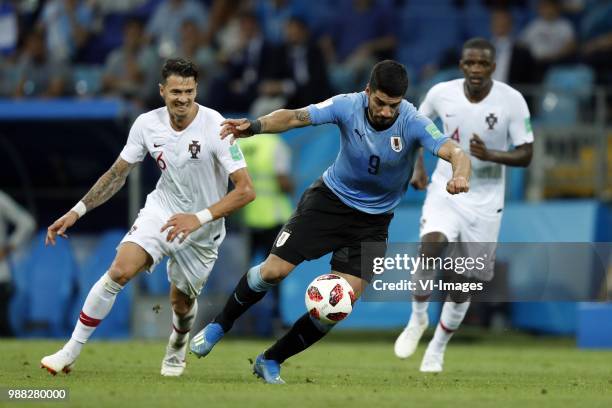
195 164
500 119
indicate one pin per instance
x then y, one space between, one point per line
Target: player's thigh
146 233
317 227
130 260
366 240
439 217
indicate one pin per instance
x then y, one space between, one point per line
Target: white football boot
432 362
61 361
173 363
408 340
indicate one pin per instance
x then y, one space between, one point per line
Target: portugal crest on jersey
194 149
491 120
396 143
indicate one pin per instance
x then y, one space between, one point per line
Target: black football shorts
322 223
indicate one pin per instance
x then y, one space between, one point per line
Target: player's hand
419 179
457 185
236 128
181 225
60 226
478 149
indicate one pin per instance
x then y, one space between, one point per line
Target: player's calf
250 289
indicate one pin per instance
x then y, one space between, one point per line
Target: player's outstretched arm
462 167
106 186
181 225
519 157
419 178
275 122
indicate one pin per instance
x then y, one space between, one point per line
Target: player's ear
493 66
161 90
367 89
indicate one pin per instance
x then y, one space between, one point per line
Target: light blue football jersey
373 168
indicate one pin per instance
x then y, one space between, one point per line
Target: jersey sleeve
331 110
427 107
520 122
427 133
135 149
229 155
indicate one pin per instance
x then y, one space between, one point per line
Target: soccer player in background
23 226
183 218
484 116
352 203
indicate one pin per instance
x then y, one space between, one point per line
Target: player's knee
181 307
433 244
274 272
121 273
459 297
422 296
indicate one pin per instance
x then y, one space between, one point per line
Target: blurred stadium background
75 73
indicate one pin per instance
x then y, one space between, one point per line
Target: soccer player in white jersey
183 217
485 117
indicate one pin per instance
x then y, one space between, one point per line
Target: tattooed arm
105 188
275 122
108 184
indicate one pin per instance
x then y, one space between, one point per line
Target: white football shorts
480 231
189 265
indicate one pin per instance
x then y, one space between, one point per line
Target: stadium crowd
259 55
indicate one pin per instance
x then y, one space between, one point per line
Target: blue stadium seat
117 323
567 87
87 80
575 79
44 285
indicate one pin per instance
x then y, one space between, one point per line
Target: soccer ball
329 298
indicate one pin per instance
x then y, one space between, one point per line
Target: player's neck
477 95
180 123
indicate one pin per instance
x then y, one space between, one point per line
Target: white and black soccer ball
329 298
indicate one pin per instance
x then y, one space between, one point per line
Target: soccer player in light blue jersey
352 203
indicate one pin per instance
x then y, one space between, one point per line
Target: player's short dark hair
179 67
479 43
389 77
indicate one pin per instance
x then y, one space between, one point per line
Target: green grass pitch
344 370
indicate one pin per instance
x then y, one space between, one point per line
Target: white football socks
419 313
450 319
97 305
181 325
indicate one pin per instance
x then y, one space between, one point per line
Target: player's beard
380 122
